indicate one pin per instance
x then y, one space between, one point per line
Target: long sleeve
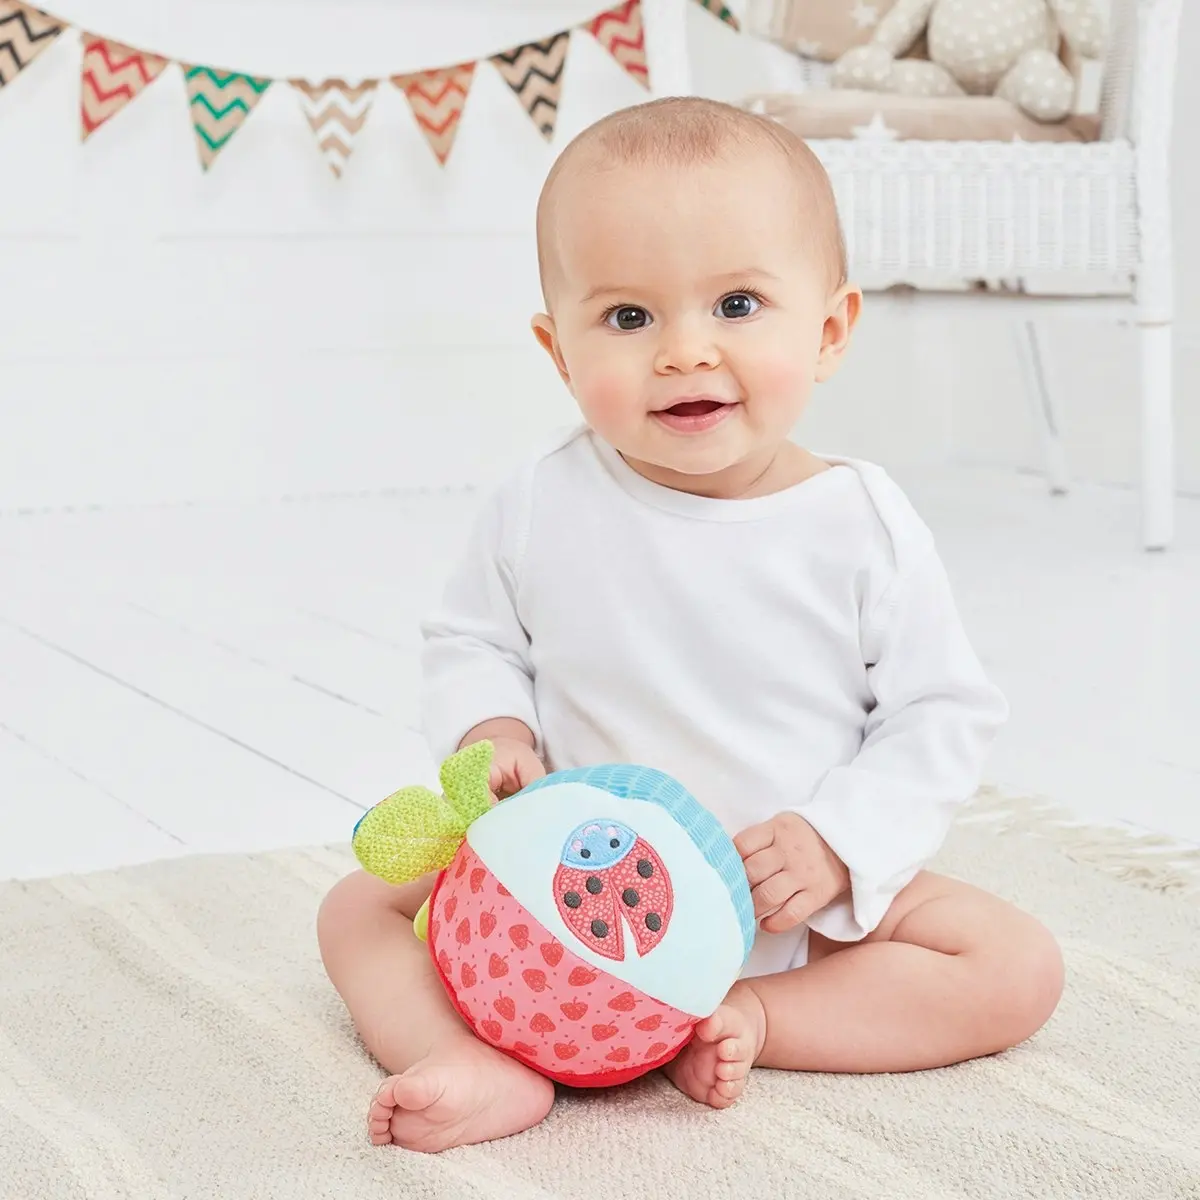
475 661
934 717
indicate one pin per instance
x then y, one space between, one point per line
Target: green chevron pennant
220 102
720 11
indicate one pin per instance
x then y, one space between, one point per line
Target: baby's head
694 276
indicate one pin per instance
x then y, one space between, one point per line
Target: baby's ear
839 325
547 336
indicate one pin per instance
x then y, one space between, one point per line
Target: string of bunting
112 76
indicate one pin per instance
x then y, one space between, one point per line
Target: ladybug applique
610 877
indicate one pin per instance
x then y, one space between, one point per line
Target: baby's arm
886 813
476 663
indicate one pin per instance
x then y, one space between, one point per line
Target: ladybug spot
653 922
600 929
594 885
630 896
572 900
645 868
585 853
614 842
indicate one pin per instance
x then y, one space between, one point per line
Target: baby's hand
792 871
514 766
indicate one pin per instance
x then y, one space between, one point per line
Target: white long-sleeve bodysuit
797 651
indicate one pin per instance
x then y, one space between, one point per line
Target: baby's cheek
608 395
782 379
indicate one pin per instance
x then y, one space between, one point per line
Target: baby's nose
685 346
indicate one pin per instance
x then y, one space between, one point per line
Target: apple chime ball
583 926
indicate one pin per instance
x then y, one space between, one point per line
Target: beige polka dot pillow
821 29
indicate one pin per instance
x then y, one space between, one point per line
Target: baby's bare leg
952 973
448 1088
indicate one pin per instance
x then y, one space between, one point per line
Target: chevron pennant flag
718 9
535 74
111 77
621 33
220 102
437 99
337 112
24 34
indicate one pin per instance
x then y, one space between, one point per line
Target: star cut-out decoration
877 131
864 15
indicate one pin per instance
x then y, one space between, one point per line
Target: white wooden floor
175 680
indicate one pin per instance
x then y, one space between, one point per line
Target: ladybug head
598 843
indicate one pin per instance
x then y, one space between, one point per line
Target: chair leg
1158 435
1042 406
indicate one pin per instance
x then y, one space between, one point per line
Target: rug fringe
1149 860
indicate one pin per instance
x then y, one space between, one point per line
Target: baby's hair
687 130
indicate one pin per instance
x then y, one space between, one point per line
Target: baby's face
689 309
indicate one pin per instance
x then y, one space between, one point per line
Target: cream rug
166 1033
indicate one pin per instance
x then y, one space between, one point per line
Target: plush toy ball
583 926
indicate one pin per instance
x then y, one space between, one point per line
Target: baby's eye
627 317
739 304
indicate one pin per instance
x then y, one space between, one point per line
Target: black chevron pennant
24 34
535 74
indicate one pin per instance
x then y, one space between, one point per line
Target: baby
680 585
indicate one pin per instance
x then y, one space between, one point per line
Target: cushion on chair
879 117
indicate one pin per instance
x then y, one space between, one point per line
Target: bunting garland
437 100
113 75
337 112
220 102
24 34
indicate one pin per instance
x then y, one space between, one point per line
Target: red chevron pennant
535 74
621 33
111 77
24 34
437 99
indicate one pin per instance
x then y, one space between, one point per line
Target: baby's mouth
697 415
695 408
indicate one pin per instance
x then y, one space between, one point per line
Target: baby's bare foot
714 1066
460 1093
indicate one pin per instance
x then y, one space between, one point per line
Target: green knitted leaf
421 922
408 835
464 779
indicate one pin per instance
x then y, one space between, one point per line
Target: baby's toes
382 1110
726 1092
729 1071
732 1049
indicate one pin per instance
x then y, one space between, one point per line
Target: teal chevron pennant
220 102
720 11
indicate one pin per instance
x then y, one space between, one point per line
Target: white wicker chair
1077 228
